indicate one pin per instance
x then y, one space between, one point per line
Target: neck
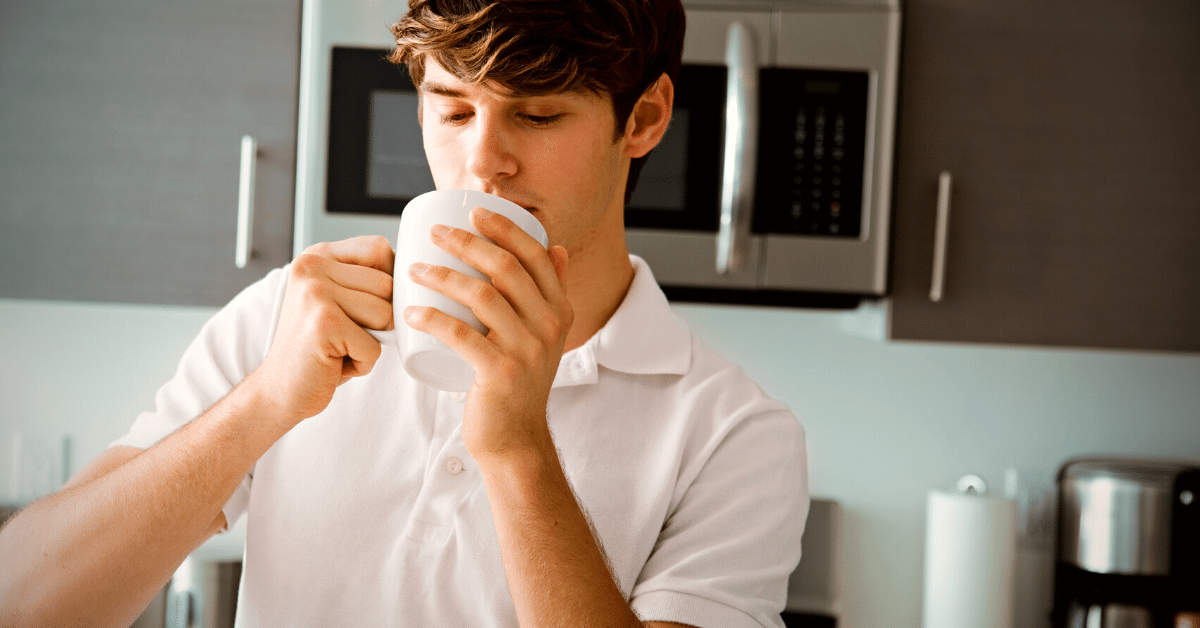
596 282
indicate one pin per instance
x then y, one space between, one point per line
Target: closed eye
454 118
539 121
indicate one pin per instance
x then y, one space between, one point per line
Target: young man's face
554 155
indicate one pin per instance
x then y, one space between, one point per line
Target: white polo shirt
373 513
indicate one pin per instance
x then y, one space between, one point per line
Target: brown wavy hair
613 47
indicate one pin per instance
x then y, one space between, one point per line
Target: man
604 469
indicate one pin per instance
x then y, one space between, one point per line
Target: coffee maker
1128 543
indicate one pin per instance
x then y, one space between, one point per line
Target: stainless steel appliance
203 593
772 186
1128 543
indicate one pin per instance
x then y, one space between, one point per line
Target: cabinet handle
939 237
245 214
741 147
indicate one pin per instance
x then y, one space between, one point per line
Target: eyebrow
439 89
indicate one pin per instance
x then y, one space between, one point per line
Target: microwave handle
245 213
940 233
741 148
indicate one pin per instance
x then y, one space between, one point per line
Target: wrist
517 469
527 449
249 415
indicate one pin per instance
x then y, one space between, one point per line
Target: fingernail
482 213
417 269
440 230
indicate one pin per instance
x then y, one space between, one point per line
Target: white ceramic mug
425 358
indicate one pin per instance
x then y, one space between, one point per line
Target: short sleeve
726 551
229 346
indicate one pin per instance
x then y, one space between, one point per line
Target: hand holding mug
426 358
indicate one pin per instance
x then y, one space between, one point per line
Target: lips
512 198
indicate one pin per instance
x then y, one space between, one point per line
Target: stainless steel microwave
772 185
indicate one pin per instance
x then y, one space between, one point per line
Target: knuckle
507 263
551 326
320 248
378 243
461 237
307 264
460 331
485 293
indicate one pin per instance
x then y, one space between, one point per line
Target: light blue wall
886 421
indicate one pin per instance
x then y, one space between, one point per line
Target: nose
490 152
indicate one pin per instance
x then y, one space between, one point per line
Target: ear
649 119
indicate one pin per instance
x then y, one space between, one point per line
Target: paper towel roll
970 558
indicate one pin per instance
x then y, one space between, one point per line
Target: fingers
368 251
363 294
532 255
524 305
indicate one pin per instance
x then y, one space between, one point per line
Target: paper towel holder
971 484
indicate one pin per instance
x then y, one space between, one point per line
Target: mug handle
386 338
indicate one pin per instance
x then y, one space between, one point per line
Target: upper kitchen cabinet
121 128
1070 132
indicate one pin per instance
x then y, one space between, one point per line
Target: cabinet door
120 141
1072 134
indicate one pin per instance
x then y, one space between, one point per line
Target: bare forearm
99 549
556 570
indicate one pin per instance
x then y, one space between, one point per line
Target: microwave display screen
662 184
396 164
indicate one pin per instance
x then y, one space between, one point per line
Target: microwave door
680 216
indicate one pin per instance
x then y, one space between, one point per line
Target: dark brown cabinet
1071 131
120 146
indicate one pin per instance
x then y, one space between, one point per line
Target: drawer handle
245 214
741 148
941 229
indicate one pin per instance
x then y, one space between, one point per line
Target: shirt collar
643 337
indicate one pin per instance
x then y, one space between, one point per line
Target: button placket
447 479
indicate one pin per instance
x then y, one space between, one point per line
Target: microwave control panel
812 146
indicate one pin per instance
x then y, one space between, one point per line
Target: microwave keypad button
825 117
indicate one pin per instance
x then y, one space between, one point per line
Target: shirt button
454 465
